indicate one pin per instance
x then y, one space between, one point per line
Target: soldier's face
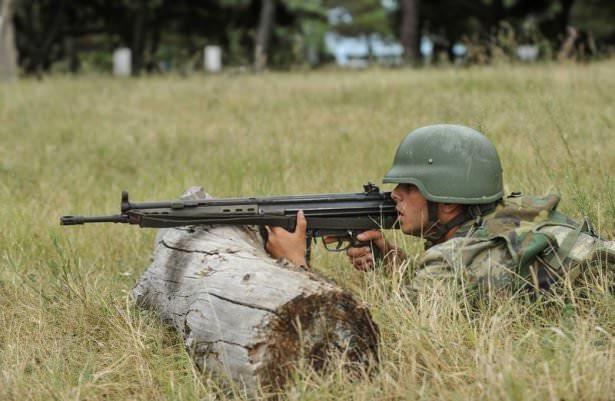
412 209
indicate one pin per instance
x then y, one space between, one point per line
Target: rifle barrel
75 220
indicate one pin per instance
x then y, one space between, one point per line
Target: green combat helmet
449 164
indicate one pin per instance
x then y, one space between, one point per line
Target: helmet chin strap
437 230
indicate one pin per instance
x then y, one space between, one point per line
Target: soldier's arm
469 265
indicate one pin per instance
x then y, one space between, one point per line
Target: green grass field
69 330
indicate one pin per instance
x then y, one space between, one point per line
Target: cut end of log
319 327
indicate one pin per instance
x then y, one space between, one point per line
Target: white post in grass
122 62
212 58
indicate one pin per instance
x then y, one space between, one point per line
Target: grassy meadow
69 329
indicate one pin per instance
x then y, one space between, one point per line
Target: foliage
596 16
70 145
50 31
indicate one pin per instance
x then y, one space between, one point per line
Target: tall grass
68 329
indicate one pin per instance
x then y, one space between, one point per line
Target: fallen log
244 315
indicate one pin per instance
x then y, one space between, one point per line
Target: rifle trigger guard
343 243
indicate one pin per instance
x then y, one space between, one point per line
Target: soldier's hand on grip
362 258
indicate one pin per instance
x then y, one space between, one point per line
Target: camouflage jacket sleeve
492 265
585 249
468 261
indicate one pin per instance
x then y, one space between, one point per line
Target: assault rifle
342 216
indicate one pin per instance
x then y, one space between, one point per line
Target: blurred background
135 37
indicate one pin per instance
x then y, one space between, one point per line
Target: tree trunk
70 44
8 50
263 35
44 37
564 15
245 316
409 31
138 37
497 12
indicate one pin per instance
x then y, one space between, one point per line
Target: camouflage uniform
525 240
502 242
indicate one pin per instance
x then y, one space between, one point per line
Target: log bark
244 315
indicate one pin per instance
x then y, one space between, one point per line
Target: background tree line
40 34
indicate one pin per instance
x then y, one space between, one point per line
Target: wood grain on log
244 315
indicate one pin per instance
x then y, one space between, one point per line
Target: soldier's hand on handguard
284 244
